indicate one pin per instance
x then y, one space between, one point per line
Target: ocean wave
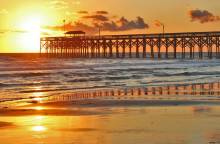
187 74
29 84
118 78
34 74
84 80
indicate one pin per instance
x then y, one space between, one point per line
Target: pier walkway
168 45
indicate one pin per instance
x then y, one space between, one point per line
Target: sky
22 22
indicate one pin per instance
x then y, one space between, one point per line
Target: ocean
35 77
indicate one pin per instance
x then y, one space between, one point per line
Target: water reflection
38 96
198 91
39 124
39 108
38 128
138 125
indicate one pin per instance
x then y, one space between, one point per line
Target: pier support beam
144 47
137 48
93 46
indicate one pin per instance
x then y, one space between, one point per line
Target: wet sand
109 121
191 124
86 107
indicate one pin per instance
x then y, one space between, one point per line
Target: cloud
96 17
101 19
157 23
203 16
102 12
18 31
3 12
58 4
125 24
82 12
5 31
73 26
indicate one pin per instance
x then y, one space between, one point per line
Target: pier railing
189 44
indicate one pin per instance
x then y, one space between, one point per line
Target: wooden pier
169 45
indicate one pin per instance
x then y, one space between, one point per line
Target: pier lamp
99 31
64 22
160 24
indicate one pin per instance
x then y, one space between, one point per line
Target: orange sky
23 21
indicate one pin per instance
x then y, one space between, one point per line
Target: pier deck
203 44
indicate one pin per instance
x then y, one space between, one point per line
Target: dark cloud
123 24
82 12
203 16
139 23
73 26
96 17
102 12
103 21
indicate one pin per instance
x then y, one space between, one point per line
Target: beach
152 124
111 101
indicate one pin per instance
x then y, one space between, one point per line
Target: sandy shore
125 103
46 112
93 107
112 122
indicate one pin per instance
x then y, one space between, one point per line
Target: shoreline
95 107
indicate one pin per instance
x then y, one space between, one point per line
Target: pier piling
196 44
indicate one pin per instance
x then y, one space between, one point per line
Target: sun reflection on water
39 108
39 128
39 124
37 96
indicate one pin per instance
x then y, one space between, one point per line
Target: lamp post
64 23
159 24
99 31
64 28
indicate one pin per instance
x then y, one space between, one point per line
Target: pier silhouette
189 45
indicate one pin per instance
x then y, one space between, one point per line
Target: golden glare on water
39 128
39 108
38 99
38 96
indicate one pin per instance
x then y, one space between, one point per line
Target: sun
31 28
31 24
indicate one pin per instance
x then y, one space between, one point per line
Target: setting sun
32 24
